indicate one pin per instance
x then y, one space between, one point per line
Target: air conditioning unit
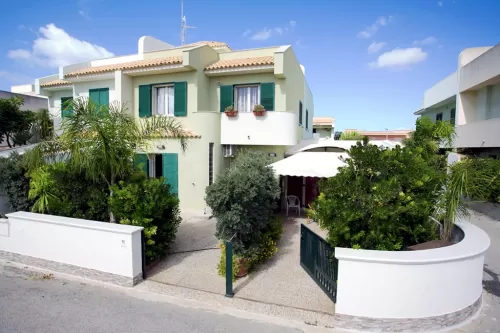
229 150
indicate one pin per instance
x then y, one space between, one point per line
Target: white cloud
400 58
55 47
84 14
372 29
267 33
440 3
375 47
426 41
21 27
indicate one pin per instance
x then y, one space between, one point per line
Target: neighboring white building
323 127
470 99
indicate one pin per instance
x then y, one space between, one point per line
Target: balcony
481 134
278 128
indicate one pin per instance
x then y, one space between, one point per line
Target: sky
367 62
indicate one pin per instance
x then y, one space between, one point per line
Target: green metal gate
318 260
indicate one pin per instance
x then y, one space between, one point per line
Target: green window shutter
94 95
180 99
145 101
226 97
142 161
104 97
66 107
170 172
300 113
267 95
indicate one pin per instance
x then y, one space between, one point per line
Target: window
439 117
314 130
307 119
66 107
99 96
210 163
452 116
300 113
246 97
163 97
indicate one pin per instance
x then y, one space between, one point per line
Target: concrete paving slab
280 281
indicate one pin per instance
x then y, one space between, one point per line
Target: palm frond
161 127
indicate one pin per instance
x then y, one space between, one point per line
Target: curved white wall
412 284
275 128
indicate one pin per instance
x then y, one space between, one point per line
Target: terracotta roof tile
127 65
244 62
55 83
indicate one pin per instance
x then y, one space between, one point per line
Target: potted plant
243 265
230 111
259 110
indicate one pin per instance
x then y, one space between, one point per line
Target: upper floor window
164 100
439 117
300 113
307 119
246 97
452 116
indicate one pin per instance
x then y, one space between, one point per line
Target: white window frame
235 94
154 98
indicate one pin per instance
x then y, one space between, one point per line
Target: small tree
13 182
14 124
243 200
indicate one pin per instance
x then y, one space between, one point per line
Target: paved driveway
281 280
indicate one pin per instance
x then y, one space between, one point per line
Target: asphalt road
34 304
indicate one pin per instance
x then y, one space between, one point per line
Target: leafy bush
351 135
14 183
59 189
243 200
221 267
380 200
148 203
483 178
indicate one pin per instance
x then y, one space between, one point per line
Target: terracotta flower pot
259 113
243 267
231 113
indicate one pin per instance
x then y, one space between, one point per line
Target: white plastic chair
292 202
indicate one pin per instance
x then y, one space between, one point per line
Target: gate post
229 269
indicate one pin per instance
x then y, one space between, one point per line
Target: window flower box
230 111
259 110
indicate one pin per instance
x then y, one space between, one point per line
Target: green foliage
61 190
243 200
14 124
14 183
221 266
483 178
380 200
351 135
148 203
42 126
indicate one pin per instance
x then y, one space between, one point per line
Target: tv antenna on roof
184 25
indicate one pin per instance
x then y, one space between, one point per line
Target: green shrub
14 183
380 200
221 267
61 190
148 203
483 178
243 200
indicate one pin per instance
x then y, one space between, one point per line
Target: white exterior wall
443 90
274 128
106 247
308 105
81 89
412 284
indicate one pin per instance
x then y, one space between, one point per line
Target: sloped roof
323 121
243 62
209 43
127 65
55 83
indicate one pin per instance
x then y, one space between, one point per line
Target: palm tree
101 141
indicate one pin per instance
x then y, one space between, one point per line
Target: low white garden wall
98 250
436 288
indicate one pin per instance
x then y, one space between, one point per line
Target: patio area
281 280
